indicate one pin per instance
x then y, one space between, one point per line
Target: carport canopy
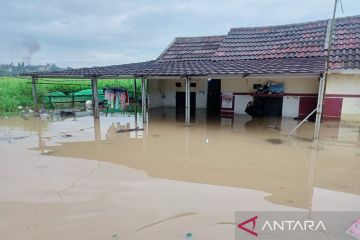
185 69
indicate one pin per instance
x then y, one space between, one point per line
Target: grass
16 91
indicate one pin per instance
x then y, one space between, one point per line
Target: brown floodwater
238 152
81 178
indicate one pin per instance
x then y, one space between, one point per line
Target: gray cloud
88 33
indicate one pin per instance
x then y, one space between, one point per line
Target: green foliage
16 91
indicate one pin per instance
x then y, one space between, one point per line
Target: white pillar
96 111
187 101
319 106
143 98
34 93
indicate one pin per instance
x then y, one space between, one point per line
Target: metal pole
143 98
187 101
95 97
319 108
302 122
34 93
323 80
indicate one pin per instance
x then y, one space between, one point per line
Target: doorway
214 97
180 105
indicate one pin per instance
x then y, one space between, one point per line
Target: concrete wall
291 84
301 90
155 93
162 92
342 99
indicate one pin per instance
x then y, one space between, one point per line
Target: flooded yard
80 177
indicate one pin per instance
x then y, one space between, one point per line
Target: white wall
290 106
240 103
154 96
292 84
162 92
349 86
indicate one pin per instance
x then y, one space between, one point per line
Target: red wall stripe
332 108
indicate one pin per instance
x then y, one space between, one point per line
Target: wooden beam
96 110
34 93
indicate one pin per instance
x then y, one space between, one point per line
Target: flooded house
276 70
143 175
290 55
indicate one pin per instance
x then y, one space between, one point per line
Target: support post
187 101
97 130
135 93
34 93
319 107
95 97
143 98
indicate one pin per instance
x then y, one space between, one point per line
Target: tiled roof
345 52
191 48
203 67
266 66
293 48
300 40
287 41
130 69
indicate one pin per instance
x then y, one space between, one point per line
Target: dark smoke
31 46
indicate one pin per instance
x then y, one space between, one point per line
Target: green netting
86 94
55 97
56 94
81 96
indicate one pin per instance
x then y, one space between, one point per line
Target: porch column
187 101
135 90
143 98
319 107
95 97
34 93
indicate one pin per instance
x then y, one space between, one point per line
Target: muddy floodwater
81 178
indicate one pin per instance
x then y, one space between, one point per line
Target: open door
180 105
214 97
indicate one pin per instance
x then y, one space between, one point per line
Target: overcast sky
81 33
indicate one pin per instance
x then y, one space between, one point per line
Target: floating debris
21 137
47 151
44 116
67 135
130 130
274 140
273 127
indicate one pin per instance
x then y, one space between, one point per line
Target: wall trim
278 95
342 95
